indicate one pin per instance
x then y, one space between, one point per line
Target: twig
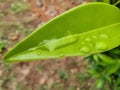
116 3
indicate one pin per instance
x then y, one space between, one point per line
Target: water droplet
32 49
72 38
82 42
101 45
90 45
85 49
104 36
39 53
87 39
56 44
43 47
61 55
47 46
94 37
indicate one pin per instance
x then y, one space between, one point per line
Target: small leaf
95 57
107 59
94 73
112 68
84 30
108 78
3 45
118 81
106 1
100 82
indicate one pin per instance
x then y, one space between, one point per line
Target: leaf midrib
91 31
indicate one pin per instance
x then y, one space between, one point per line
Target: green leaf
108 78
3 45
112 68
84 30
108 60
112 65
95 57
95 74
100 82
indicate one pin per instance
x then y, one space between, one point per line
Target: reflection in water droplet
85 49
101 45
104 36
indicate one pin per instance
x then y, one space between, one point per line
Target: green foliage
80 31
63 75
110 64
105 69
113 2
18 7
3 45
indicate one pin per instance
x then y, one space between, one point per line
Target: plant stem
116 3
111 85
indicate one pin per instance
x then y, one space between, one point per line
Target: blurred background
18 18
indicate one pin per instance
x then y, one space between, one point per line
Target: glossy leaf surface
84 30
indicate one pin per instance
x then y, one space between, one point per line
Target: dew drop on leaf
43 47
94 37
32 49
85 49
100 45
39 53
104 36
87 39
61 55
60 43
82 42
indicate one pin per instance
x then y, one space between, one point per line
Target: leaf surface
84 30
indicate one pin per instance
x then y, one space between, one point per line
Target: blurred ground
18 18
